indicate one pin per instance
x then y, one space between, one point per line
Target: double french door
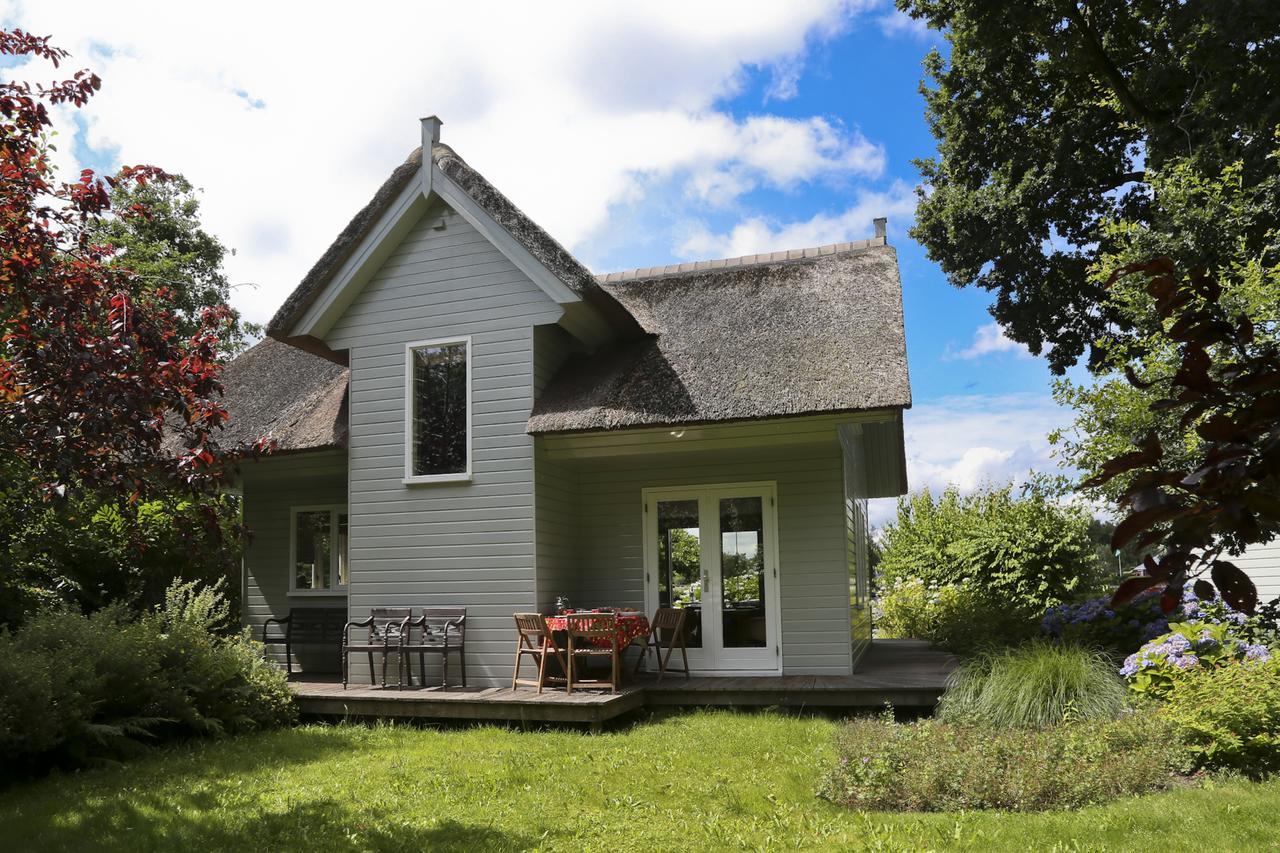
712 550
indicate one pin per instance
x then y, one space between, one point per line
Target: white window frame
716 660
410 479
334 511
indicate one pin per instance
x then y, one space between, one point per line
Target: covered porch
757 530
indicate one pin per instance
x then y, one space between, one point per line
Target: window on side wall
318 550
437 420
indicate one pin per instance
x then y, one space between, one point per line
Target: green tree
1113 415
1021 548
110 391
1051 116
169 248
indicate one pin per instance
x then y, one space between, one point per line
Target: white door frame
712 658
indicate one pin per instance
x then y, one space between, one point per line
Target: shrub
1095 623
1033 686
931 765
953 615
1202 644
1023 550
75 689
87 554
1228 718
908 608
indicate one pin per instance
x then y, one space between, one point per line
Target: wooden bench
312 626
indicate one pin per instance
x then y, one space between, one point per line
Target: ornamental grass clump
1036 685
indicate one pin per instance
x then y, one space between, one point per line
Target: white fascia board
466 207
391 228
386 234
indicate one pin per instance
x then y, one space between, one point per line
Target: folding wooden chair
533 638
668 622
587 633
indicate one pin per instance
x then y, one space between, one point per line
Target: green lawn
707 780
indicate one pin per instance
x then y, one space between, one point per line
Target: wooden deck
904 673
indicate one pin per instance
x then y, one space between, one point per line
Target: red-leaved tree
98 391
1226 386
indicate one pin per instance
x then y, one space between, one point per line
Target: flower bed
934 766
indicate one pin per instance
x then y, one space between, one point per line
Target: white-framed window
437 411
318 550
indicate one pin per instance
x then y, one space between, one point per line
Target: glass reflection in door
742 586
680 564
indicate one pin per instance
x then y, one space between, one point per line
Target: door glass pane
312 550
680 564
742 572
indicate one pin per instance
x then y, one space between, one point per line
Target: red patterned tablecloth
630 626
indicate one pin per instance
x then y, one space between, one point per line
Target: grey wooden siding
556 494
856 464
1262 563
811 532
272 487
557 532
469 543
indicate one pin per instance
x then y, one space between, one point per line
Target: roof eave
594 317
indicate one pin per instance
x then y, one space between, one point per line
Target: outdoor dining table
631 624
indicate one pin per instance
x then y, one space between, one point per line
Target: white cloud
758 234
895 23
289 121
970 440
784 83
987 339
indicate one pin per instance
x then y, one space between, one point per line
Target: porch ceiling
816 429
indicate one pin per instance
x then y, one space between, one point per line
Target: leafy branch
1226 387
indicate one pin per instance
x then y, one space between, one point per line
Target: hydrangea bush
1189 645
1122 629
1096 623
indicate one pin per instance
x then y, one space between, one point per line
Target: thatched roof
791 333
277 390
537 242
763 336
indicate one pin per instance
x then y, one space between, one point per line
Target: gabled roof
762 336
807 331
538 243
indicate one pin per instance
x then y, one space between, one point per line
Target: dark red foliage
97 389
1226 386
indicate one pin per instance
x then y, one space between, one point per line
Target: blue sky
637 134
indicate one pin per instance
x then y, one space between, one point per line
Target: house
1262 564
464 414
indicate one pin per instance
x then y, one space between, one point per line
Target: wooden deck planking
901 673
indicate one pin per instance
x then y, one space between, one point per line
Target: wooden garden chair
584 628
533 638
668 622
388 629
